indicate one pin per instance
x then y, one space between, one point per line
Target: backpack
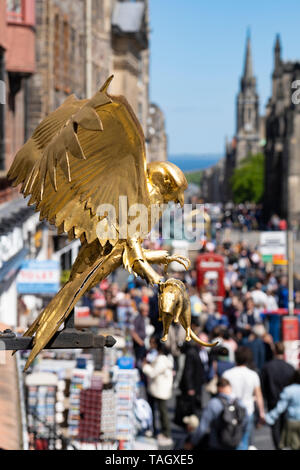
231 424
143 415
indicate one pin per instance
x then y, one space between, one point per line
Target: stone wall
282 149
156 135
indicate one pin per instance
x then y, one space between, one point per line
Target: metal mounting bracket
68 338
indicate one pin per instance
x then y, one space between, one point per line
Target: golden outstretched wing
84 154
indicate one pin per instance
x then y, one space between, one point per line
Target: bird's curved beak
181 199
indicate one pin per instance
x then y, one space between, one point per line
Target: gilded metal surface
174 304
85 154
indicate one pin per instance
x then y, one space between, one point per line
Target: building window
14 10
14 6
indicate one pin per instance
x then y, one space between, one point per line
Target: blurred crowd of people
246 370
246 217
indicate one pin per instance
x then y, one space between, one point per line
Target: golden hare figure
86 154
174 304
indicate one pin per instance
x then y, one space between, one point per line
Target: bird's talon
179 259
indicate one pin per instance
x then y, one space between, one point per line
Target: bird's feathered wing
84 154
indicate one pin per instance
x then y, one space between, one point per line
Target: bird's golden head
169 179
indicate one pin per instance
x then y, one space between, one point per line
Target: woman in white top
159 373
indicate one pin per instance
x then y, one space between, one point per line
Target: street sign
39 277
273 247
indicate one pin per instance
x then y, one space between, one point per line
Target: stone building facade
17 64
282 150
101 49
60 55
130 47
130 65
248 139
212 183
18 223
156 141
79 44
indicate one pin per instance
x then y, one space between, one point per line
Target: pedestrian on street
159 373
285 416
176 339
138 333
212 431
222 361
246 386
275 375
283 293
289 403
249 317
193 378
257 346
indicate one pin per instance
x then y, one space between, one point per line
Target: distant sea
194 162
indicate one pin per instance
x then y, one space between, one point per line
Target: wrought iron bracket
68 338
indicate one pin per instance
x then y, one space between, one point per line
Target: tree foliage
247 182
194 177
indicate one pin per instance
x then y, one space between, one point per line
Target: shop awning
12 265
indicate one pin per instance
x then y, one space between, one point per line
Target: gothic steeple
248 59
247 109
277 53
248 78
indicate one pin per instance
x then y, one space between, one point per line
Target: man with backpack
245 384
222 423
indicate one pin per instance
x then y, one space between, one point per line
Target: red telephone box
210 272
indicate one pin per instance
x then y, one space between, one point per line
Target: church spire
277 52
247 109
248 69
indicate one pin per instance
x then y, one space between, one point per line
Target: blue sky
197 56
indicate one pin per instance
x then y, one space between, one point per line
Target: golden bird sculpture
85 155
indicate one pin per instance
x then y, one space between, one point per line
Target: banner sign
39 277
273 247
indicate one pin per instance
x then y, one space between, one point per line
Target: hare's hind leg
167 320
188 334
